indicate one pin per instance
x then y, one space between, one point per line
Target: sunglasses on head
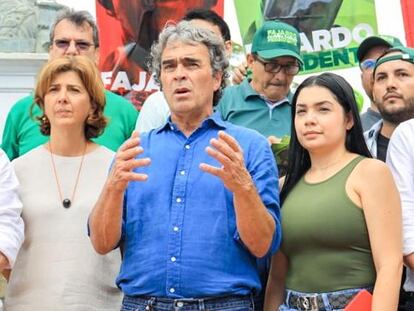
367 64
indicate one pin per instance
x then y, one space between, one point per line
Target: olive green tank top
325 237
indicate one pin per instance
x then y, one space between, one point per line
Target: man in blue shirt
195 202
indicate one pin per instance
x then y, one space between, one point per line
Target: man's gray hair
185 32
79 18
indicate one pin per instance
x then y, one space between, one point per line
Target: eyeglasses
367 64
273 67
81 46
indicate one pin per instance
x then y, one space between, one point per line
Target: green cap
275 39
407 54
373 41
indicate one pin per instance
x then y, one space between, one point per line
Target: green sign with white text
330 30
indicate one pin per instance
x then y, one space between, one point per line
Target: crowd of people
182 206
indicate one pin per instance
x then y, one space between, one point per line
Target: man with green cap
367 54
262 102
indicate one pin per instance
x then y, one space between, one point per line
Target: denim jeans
322 297
228 303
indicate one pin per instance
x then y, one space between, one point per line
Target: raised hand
125 162
226 150
239 73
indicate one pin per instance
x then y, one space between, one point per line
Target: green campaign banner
330 30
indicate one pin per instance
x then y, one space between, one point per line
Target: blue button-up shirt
179 227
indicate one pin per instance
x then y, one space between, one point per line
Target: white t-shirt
11 224
400 158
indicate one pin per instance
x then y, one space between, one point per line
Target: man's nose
180 72
72 49
390 83
281 74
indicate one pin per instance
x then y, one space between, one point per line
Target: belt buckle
179 303
308 303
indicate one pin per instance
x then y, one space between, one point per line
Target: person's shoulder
28 158
402 139
371 176
408 123
115 101
105 152
155 103
23 104
156 96
232 98
151 135
102 156
235 88
369 169
111 96
371 162
406 127
402 136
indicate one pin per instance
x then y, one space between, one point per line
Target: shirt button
173 259
178 200
175 229
172 290
187 147
182 172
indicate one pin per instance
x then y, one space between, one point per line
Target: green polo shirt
22 133
242 105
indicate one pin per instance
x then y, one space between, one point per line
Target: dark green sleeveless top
325 237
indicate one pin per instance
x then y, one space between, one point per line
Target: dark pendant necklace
66 203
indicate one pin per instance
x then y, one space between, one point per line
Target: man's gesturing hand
232 172
125 162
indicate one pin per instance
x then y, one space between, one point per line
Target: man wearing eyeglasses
262 102
367 54
73 33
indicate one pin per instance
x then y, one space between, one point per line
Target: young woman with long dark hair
341 214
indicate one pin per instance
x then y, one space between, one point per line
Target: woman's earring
45 120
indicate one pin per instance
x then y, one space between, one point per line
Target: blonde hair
86 69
